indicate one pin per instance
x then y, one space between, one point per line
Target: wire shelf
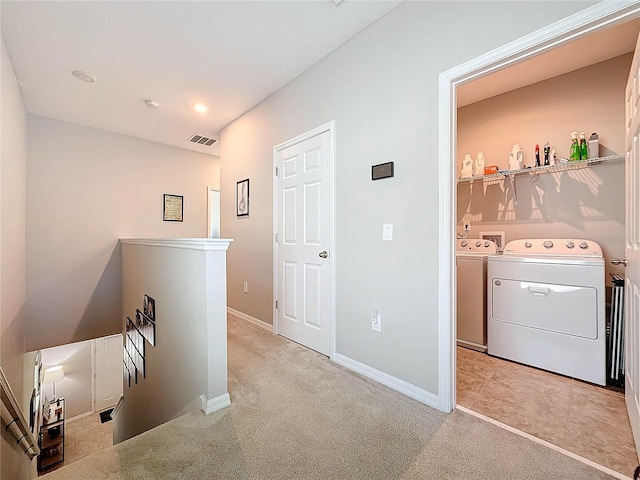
546 169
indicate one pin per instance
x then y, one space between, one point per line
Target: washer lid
554 247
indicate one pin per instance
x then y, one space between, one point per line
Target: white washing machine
546 306
471 293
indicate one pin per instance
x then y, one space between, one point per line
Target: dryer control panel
554 247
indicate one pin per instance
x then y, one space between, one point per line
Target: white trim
597 17
252 320
558 449
209 193
331 128
390 381
216 403
94 346
184 243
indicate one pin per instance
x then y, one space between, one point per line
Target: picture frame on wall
172 207
242 198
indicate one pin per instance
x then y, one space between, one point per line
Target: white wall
75 387
585 203
13 158
381 88
86 188
187 282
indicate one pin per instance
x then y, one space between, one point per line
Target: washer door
567 309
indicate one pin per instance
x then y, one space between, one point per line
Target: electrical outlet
245 287
376 320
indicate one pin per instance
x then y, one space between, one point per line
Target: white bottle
552 157
593 146
467 166
516 157
480 164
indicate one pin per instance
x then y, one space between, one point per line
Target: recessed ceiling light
84 76
152 103
200 108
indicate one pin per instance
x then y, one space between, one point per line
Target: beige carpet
297 415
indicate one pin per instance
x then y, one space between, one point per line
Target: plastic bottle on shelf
479 164
552 157
584 154
537 155
547 151
467 166
594 146
575 147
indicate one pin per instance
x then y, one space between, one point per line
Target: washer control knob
570 245
464 243
527 244
584 245
478 243
548 244
486 244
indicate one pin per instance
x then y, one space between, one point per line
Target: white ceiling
593 48
229 55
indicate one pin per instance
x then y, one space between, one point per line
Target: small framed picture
150 308
242 198
172 208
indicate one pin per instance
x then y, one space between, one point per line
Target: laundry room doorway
592 21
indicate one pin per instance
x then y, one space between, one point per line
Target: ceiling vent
202 140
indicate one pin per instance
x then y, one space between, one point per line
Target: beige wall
190 355
86 188
585 203
381 88
13 159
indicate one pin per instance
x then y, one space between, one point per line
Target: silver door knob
323 254
619 261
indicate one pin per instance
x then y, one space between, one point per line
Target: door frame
597 17
331 128
210 191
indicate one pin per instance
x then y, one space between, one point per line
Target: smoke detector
152 103
202 140
84 76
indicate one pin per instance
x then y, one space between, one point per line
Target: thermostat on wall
384 170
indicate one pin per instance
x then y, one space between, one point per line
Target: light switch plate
387 231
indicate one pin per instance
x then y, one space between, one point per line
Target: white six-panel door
108 373
632 248
303 244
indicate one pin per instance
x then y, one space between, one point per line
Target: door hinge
277 171
276 304
276 238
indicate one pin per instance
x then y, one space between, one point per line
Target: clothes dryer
546 306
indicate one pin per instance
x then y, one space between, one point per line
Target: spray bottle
574 154
584 150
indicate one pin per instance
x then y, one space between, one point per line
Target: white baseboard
390 381
78 417
252 320
214 404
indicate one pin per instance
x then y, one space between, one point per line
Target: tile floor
84 436
585 419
